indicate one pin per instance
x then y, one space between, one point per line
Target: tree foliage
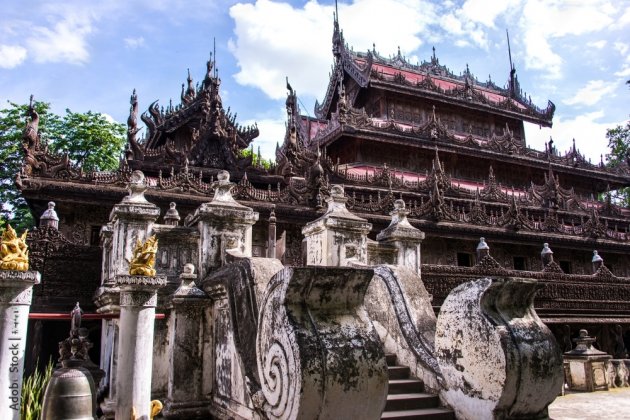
90 140
619 144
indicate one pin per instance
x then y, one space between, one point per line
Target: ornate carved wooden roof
428 79
198 130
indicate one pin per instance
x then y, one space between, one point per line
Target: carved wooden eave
423 137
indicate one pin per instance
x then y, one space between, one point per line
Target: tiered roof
428 79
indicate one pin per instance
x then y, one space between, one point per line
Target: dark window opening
464 259
95 233
565 266
519 263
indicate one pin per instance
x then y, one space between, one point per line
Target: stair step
425 413
396 402
405 386
390 358
398 372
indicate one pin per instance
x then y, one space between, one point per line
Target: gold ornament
143 260
13 251
156 408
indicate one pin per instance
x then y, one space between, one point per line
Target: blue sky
90 55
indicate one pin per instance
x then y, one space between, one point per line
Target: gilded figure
13 250
143 260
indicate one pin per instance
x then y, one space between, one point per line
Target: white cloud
484 12
597 44
543 21
622 48
133 43
592 93
624 72
274 40
589 134
272 132
65 40
11 56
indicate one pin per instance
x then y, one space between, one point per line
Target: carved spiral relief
277 355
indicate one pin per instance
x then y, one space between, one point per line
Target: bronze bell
70 394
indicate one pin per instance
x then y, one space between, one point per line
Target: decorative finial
49 218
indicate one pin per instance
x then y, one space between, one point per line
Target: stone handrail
414 334
244 281
318 354
497 357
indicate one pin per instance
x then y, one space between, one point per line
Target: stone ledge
16 278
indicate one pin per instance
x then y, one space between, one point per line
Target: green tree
619 144
90 140
12 121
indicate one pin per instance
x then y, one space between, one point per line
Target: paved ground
613 404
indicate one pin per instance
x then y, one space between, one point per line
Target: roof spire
513 81
214 55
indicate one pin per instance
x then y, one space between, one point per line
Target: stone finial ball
137 177
337 190
189 268
51 205
399 204
223 176
172 206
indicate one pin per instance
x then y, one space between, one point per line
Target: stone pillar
586 365
130 220
271 247
546 255
16 292
338 238
597 261
404 237
138 299
225 226
186 340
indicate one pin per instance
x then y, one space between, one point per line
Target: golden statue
13 251
156 408
143 260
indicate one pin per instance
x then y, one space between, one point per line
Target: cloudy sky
90 55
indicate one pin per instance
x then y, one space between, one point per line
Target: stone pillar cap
172 215
597 257
482 244
50 213
137 186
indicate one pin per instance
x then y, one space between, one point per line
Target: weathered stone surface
401 310
16 292
224 225
404 237
186 358
237 290
338 238
318 354
498 359
138 298
586 365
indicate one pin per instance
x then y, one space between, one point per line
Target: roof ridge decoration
199 129
38 161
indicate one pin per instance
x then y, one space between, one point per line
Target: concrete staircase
406 399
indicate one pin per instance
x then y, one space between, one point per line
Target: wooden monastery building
452 147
